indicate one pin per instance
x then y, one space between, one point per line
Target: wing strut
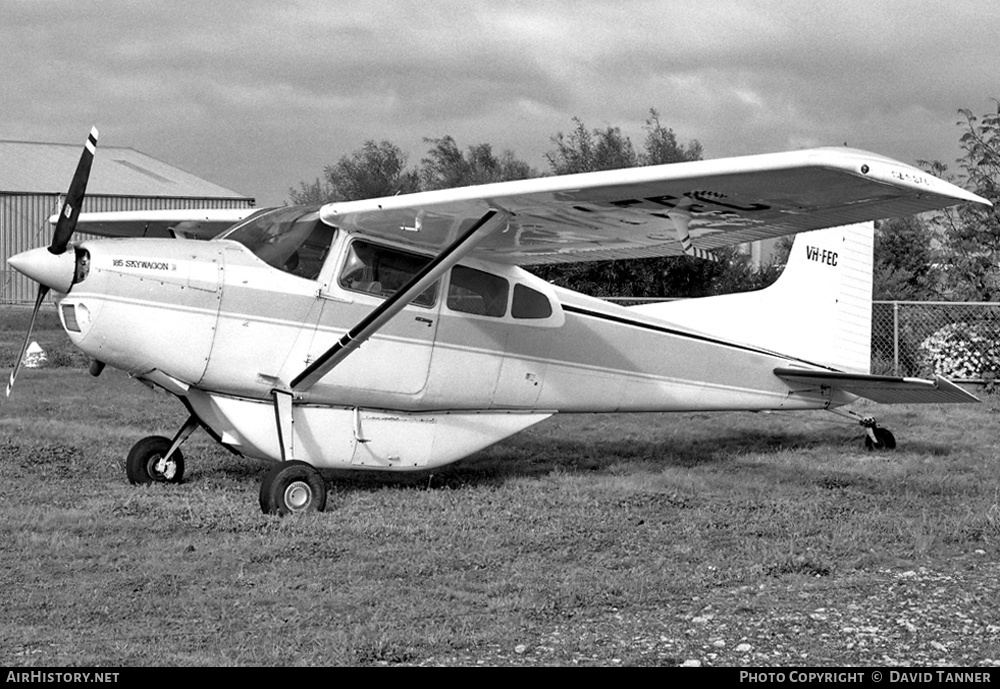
373 322
682 219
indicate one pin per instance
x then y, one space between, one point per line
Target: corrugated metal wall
24 225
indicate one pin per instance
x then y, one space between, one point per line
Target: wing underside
194 223
660 210
684 208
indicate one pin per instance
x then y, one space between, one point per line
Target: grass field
731 539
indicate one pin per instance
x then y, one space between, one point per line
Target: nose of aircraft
54 271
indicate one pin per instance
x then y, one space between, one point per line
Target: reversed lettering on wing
911 176
695 202
814 253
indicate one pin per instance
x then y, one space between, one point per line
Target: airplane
403 334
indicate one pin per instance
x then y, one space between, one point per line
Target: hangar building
35 176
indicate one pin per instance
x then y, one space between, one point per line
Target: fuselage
219 324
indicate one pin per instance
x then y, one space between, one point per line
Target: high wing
638 212
193 223
881 389
647 211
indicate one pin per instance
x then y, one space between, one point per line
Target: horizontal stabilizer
882 389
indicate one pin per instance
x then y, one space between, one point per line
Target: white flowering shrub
962 350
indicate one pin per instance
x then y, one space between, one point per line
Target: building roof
45 168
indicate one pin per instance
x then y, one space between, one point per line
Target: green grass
590 539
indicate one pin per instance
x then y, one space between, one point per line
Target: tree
376 169
586 150
904 267
971 241
446 167
313 194
661 144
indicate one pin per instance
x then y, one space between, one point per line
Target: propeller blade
42 291
74 197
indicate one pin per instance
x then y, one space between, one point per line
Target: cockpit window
382 271
291 239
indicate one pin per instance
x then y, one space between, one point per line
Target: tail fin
819 310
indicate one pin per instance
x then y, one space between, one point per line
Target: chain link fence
958 340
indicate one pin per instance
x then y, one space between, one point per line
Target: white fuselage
214 325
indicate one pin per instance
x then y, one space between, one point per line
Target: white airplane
401 334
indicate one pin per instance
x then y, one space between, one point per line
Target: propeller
55 271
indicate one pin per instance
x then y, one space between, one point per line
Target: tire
292 488
884 440
144 463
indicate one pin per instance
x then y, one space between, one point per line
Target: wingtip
972 197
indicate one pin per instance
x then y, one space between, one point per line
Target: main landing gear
876 437
289 487
292 487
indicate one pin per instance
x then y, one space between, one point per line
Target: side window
474 291
530 303
382 271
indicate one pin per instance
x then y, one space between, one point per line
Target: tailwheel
292 487
147 462
878 438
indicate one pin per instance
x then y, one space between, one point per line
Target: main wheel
884 440
292 488
146 463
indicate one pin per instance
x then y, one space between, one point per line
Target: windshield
291 239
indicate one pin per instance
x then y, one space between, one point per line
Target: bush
962 350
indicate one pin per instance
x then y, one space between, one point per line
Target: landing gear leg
290 486
156 459
876 437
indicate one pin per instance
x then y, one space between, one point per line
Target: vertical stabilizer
819 310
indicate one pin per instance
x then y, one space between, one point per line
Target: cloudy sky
261 96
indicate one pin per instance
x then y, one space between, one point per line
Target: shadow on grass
799 451
538 455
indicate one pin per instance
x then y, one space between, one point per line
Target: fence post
895 337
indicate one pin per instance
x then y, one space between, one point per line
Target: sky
260 97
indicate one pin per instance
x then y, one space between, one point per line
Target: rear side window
530 303
477 292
